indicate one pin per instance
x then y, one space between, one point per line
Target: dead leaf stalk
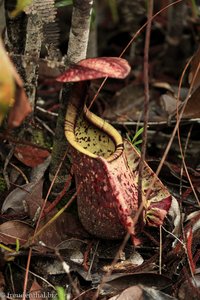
146 104
178 129
160 251
59 197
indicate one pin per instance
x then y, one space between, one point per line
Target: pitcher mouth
109 144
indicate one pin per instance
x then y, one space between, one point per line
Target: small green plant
61 295
134 140
10 250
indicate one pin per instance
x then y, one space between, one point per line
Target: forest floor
64 258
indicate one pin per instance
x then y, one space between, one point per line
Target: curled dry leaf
36 291
192 108
134 293
25 199
143 293
119 282
175 214
31 156
93 68
189 288
12 230
60 229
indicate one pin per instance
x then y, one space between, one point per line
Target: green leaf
17 245
139 132
63 3
133 140
138 142
60 293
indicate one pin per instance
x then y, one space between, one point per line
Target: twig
184 152
53 114
92 260
141 201
160 251
38 232
45 126
49 191
36 275
179 137
20 172
26 274
59 197
66 269
106 276
7 161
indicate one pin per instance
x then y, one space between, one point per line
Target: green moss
2 184
41 139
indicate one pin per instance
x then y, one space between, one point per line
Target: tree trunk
77 49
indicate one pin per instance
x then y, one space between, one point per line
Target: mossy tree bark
25 36
77 49
24 39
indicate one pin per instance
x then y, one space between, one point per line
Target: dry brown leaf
31 156
10 231
192 109
142 293
36 292
25 199
63 227
121 282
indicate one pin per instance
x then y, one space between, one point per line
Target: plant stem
146 102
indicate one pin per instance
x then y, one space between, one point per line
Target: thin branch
146 102
79 32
